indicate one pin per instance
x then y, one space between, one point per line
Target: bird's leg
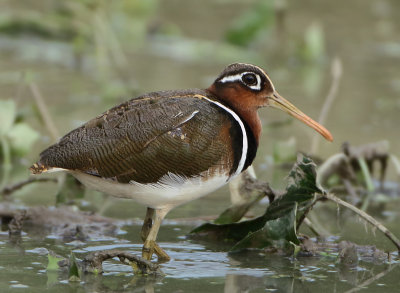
149 234
147 224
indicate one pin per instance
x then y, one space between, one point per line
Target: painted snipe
166 148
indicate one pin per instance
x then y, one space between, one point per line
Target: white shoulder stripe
244 135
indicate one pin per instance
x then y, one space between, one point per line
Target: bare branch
336 75
48 121
11 188
366 217
92 263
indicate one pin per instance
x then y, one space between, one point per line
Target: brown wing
145 138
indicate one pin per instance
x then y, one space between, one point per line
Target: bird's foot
150 247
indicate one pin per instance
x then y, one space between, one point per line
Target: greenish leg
149 234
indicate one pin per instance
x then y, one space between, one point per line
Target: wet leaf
299 194
7 116
278 233
233 213
301 188
22 137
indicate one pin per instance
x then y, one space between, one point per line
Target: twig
6 152
20 88
336 75
365 216
368 182
48 121
11 188
93 262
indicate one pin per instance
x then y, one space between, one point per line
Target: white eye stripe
238 77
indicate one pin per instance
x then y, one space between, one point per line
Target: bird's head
247 87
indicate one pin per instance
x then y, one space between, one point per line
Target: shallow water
364 34
193 268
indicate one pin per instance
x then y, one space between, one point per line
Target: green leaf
278 233
73 272
301 188
22 137
233 213
299 193
53 259
7 116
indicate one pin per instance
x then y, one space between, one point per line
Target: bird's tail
38 168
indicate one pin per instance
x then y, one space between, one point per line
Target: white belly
172 190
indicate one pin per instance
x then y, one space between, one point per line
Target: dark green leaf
233 214
300 193
301 189
276 233
73 272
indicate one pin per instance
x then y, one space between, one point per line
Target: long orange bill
277 101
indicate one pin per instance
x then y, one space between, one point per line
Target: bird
165 148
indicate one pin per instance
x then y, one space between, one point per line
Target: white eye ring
238 77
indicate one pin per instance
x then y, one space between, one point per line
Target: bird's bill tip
277 101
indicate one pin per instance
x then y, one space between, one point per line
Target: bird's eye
249 79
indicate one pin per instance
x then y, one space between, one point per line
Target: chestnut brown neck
242 102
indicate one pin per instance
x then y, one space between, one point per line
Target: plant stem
6 161
330 98
48 121
366 217
368 182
